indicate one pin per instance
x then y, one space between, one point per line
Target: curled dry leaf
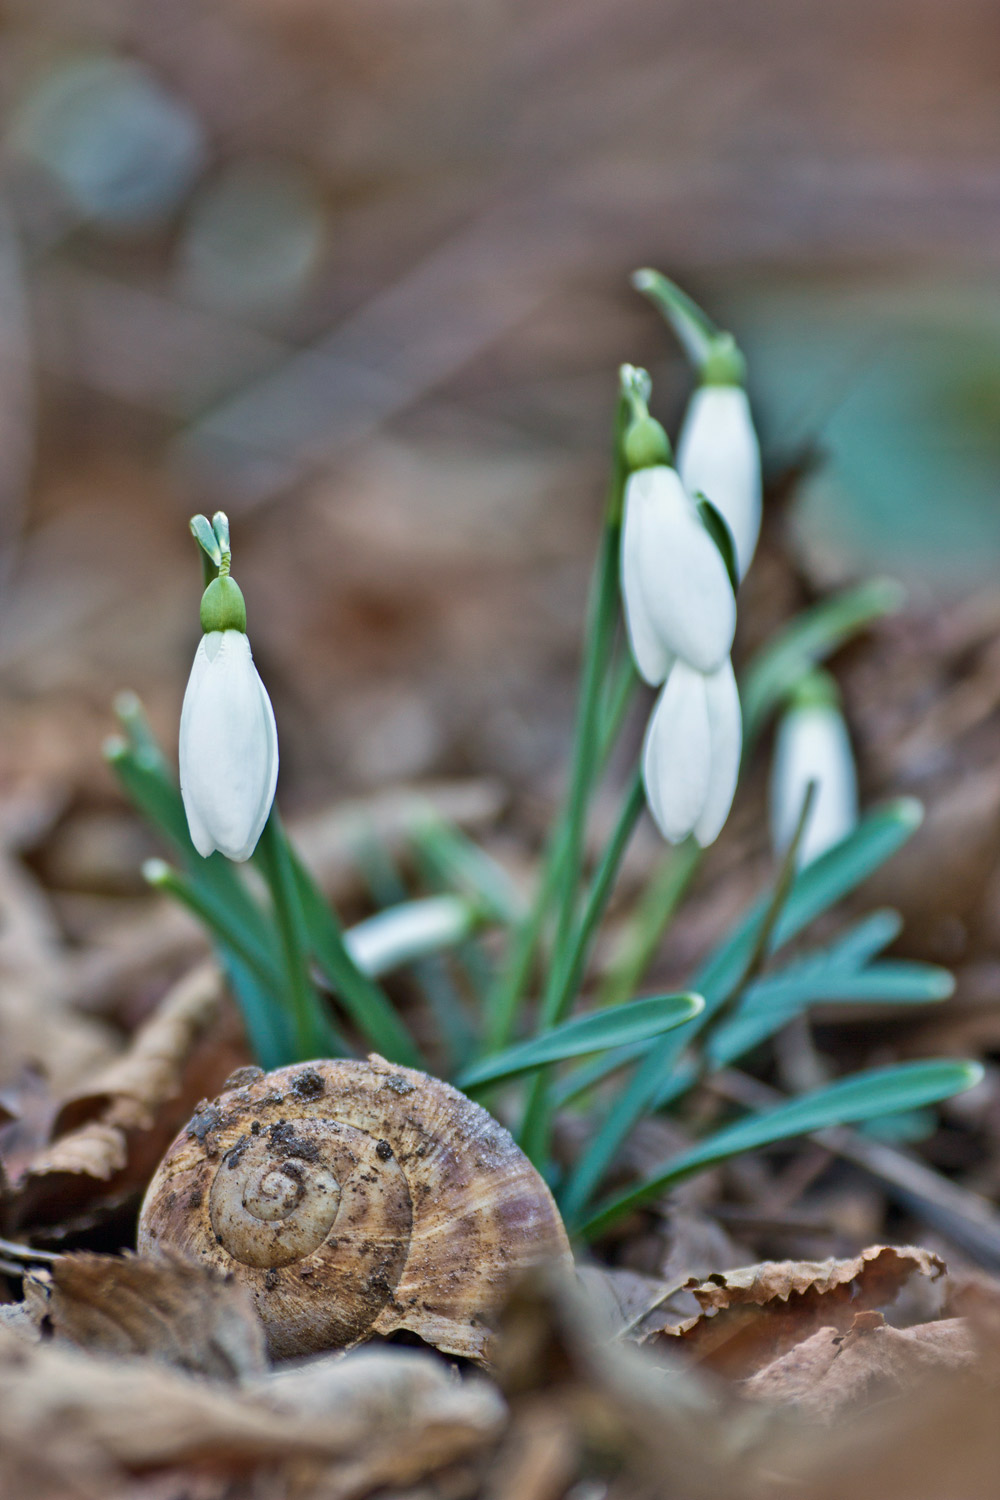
831 1372
751 1316
111 1133
177 1312
623 1299
358 1426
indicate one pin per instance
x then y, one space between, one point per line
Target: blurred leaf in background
899 389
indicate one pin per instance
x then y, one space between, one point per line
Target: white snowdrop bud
813 745
677 595
228 747
691 756
718 455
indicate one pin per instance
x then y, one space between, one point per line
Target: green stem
694 328
657 905
565 982
312 1032
594 737
237 938
366 1002
651 1083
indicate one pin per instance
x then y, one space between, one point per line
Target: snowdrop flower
718 454
691 756
677 595
813 745
228 738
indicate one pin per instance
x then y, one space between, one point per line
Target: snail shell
352 1199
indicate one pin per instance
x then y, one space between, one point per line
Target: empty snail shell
353 1199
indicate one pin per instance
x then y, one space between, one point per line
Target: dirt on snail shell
355 1199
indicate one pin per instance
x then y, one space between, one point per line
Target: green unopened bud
222 606
723 364
646 444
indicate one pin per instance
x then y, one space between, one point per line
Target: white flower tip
155 871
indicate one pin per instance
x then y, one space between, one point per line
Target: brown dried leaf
622 1299
172 1310
118 1126
368 1419
753 1315
830 1371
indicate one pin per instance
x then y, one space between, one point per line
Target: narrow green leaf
273 857
459 862
810 638
657 1081
365 1001
634 1022
861 943
819 886
584 1077
861 1097
717 527
841 869
645 931
765 1010
267 1023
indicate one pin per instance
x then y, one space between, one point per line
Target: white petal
725 728
682 578
718 454
675 757
813 745
651 657
399 934
228 748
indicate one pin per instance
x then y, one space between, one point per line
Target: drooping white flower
718 455
228 747
691 755
676 591
813 745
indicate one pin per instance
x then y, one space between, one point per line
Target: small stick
15 1258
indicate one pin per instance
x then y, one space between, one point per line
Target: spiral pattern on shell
353 1199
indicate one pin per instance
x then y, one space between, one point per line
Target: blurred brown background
358 273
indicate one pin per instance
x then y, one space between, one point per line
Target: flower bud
813 746
228 745
677 595
691 756
718 455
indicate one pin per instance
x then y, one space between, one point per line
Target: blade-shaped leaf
861 943
861 1097
766 1009
655 1082
634 1022
810 638
893 981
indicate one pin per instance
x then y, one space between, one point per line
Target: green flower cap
646 444
222 606
723 364
817 690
